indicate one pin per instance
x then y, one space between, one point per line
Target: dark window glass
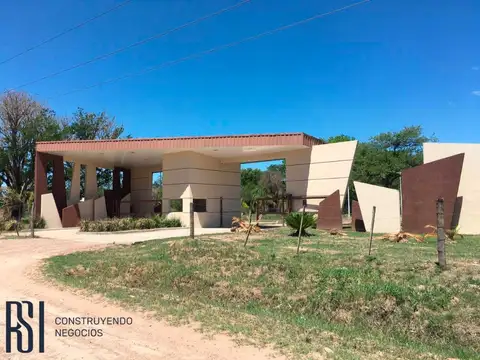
200 205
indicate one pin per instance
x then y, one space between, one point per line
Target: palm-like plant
294 219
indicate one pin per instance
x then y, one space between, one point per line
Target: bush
172 222
38 223
85 225
10 225
126 224
163 221
122 224
294 219
145 223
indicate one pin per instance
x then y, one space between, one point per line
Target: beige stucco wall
90 181
141 190
387 203
469 189
320 170
75 185
100 208
125 205
86 209
189 175
49 212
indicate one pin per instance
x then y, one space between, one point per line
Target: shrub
85 225
163 221
128 223
38 223
159 220
172 222
145 223
294 219
10 225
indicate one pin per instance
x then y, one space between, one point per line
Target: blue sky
376 67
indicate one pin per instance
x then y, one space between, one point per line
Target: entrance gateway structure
202 170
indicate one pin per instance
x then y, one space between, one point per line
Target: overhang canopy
149 152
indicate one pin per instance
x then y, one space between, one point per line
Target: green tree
281 168
157 188
339 138
381 160
23 121
93 126
250 185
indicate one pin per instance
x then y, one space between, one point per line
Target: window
176 205
200 205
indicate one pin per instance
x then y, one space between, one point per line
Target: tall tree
157 187
250 185
93 126
23 121
339 138
381 160
281 168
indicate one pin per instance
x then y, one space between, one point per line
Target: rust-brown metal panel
423 185
330 213
58 186
357 219
71 216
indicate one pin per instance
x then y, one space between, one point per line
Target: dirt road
144 339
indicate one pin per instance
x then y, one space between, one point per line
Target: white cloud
476 93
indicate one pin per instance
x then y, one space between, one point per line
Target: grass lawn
395 304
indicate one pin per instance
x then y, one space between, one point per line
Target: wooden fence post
257 208
374 210
249 228
192 221
301 225
32 220
442 261
221 211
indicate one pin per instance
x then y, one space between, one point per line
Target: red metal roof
282 139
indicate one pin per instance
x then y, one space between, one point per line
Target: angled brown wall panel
423 185
330 213
58 187
71 216
357 219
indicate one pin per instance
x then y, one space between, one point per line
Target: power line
214 49
138 43
116 7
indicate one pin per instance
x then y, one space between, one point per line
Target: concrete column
90 181
40 186
75 187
